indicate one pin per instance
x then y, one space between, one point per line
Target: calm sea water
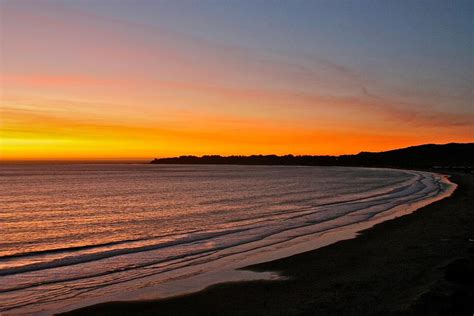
72 231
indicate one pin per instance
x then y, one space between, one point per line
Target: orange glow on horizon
62 139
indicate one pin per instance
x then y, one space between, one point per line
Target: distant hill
452 155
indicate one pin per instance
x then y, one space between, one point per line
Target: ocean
76 234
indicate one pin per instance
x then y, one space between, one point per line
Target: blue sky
231 77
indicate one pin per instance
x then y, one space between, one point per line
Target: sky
104 79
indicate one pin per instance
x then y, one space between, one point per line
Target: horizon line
144 159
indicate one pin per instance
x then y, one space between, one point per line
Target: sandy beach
422 263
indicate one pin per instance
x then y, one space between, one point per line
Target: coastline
395 266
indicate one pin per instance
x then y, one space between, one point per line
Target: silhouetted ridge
452 155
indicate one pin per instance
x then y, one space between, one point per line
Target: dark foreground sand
420 264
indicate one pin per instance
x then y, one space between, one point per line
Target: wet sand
422 263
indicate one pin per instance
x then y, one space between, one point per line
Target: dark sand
420 264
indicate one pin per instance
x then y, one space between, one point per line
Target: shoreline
288 267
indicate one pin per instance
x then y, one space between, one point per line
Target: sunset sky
142 79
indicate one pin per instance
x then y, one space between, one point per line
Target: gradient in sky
141 79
